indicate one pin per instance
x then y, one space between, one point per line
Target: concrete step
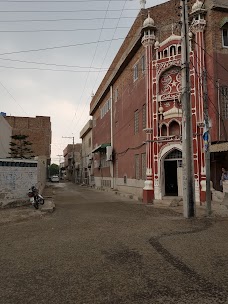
48 206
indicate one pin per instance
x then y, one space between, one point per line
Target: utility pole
206 144
187 155
59 155
72 137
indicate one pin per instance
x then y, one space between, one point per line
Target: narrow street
99 248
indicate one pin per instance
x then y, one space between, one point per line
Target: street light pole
187 155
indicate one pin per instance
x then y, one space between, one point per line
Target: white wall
5 137
16 177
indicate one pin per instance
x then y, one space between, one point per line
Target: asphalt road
101 248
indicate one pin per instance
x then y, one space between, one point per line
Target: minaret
143 4
148 41
197 27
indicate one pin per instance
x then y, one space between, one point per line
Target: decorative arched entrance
173 173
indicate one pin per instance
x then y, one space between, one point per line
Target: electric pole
206 144
72 137
59 155
187 155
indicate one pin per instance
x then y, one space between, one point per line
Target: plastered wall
16 177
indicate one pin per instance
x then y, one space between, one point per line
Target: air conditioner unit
108 153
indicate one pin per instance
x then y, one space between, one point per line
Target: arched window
165 53
174 128
163 130
225 35
172 50
179 49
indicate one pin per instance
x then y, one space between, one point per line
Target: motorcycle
36 199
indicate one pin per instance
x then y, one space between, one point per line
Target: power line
87 77
59 1
64 19
67 11
59 47
61 30
40 69
211 57
13 97
104 58
50 64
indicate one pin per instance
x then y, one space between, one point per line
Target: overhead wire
63 19
59 47
12 97
60 30
64 11
94 54
104 58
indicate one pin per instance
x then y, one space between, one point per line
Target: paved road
98 248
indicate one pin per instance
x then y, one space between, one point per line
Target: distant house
72 161
86 161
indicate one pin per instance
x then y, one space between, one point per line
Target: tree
20 147
54 169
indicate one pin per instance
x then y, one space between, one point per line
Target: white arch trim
165 150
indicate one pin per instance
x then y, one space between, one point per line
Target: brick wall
37 128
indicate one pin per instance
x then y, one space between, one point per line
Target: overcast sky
54 54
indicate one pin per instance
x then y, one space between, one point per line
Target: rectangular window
104 163
89 142
225 37
116 95
116 168
135 72
143 162
224 101
144 116
136 122
143 63
137 167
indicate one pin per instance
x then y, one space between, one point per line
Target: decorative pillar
148 41
197 28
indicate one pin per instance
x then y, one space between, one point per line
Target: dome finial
198 5
149 22
143 4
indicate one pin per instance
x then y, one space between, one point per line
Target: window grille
225 37
143 156
137 167
144 116
175 154
143 63
135 72
116 95
224 101
136 125
16 164
106 107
